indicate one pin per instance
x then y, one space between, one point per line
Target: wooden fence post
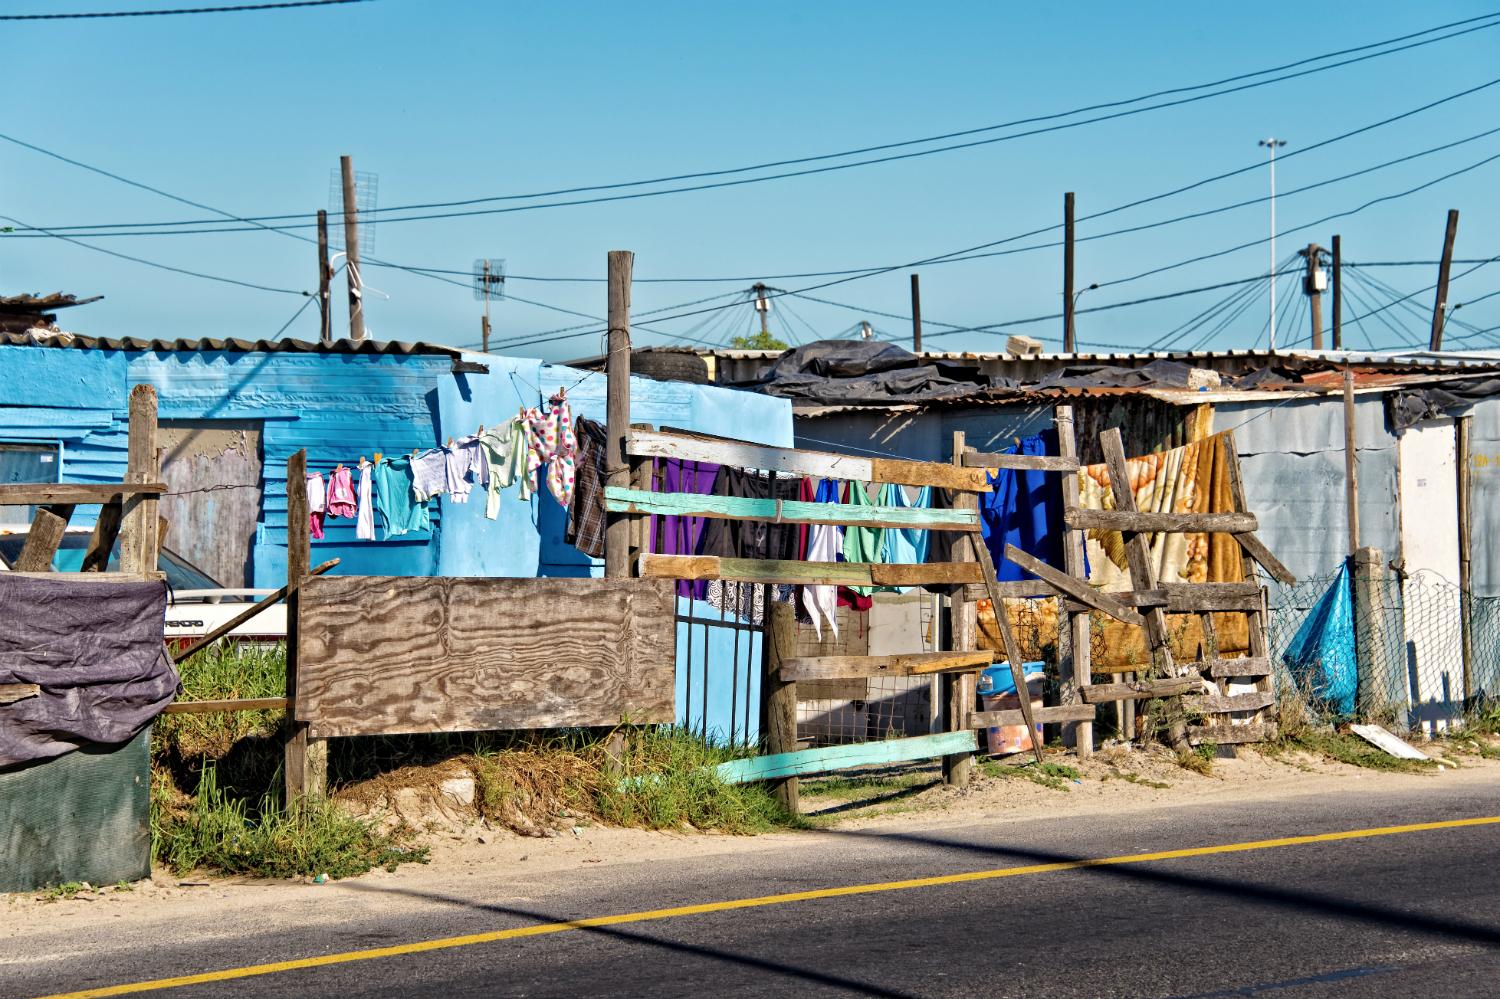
778 696
1372 670
306 759
138 519
617 409
963 626
1080 652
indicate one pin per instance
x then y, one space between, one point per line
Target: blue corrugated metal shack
232 411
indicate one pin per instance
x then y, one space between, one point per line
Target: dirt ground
1113 781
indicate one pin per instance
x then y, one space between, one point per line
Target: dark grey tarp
95 649
1408 407
865 372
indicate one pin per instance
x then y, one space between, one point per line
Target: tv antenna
366 197
489 282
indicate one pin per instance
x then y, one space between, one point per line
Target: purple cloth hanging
680 535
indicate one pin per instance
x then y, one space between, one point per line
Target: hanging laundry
465 465
749 539
825 543
396 498
341 501
673 535
317 504
862 544
586 517
364 523
505 452
1023 508
906 545
554 445
429 473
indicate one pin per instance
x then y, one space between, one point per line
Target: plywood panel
382 655
212 470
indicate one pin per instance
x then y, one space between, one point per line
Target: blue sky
446 101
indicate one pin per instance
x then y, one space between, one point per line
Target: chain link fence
1403 658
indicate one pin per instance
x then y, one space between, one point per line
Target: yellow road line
543 929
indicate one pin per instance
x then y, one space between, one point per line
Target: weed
1196 762
64 892
1345 748
1143 781
1049 775
311 837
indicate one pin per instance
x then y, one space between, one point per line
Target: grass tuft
1343 747
1054 776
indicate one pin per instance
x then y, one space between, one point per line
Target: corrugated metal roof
44 338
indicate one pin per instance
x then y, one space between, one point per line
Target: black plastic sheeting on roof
1409 406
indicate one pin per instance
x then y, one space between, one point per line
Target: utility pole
762 306
325 274
1313 285
1440 305
484 322
617 409
351 252
1068 299
916 316
1338 297
1273 144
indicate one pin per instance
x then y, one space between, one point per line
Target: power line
237 8
384 217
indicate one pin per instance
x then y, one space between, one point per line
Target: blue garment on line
906 545
1320 656
1024 508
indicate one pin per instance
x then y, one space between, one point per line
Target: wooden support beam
218 707
76 493
617 409
10 693
1078 654
778 723
622 500
1026 462
1042 715
305 772
102 541
803 762
42 540
246 614
1246 666
689 446
1224 703
747 570
907 664
1229 735
1173 523
1075 588
1140 690
1257 550
956 691
138 518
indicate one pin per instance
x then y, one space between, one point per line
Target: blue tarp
1321 654
1023 508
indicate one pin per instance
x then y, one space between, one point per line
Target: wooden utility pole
325 320
916 315
351 252
1068 298
617 409
484 321
1338 297
1463 429
1440 304
305 759
1314 294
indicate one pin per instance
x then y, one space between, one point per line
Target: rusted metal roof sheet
44 338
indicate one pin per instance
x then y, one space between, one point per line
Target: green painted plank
816 761
619 499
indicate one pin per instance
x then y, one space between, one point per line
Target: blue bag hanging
1320 656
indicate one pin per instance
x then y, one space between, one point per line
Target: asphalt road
1413 913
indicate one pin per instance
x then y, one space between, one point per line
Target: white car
196 604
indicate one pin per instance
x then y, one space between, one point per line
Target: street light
1273 144
1076 296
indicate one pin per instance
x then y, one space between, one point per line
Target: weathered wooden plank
1142 574
75 493
805 573
47 529
1075 588
102 541
1221 703
1031 462
621 500
220 707
383 655
1077 660
1138 690
1043 715
829 465
816 761
956 692
98 577
778 706
10 693
907 664
1012 589
1154 523
1257 550
138 520
1229 735
1245 666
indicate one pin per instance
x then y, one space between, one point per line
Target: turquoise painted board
624 500
817 761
